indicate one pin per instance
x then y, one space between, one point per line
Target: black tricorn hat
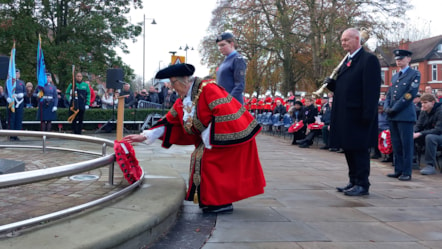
224 36
399 54
176 70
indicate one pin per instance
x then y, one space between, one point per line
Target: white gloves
86 107
20 95
54 109
9 100
205 136
152 135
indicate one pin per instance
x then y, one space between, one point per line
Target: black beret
176 70
401 53
297 102
224 36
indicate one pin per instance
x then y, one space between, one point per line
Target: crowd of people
49 99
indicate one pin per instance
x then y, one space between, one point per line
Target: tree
300 38
84 33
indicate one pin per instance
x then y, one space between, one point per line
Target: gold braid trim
195 167
237 135
230 117
220 101
173 112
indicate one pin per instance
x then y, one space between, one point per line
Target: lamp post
144 43
185 49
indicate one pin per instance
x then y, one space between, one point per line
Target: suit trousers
403 146
358 162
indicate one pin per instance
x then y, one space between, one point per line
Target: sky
185 22
178 23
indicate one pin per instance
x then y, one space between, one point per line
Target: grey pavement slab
255 231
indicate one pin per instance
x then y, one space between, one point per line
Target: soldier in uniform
231 73
15 119
47 105
401 114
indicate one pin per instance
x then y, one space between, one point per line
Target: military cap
17 70
176 70
401 53
224 36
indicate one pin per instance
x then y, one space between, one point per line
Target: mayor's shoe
222 209
394 175
301 141
404 178
342 189
388 159
304 145
428 170
356 191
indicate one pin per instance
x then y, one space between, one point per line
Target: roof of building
424 49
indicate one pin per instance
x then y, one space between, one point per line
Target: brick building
427 58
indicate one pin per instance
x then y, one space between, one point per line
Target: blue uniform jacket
231 75
401 94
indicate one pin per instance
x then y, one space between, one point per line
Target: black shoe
301 141
404 178
304 145
356 191
333 149
324 148
394 175
388 159
342 189
222 209
375 156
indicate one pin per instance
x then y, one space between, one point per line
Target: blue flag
10 81
41 68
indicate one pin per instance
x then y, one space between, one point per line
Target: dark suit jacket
354 118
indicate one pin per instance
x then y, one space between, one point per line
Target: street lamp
144 43
159 65
185 49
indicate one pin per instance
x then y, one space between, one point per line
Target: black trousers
77 123
358 162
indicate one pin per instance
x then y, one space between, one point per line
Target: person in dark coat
401 114
354 117
310 112
297 113
428 131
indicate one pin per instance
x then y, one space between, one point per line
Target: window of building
439 48
434 72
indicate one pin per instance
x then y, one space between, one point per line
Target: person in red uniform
224 166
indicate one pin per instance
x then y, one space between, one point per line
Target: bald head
351 40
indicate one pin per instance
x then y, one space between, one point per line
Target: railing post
111 166
44 144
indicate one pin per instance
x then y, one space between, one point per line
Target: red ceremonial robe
230 171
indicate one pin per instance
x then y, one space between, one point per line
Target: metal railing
27 177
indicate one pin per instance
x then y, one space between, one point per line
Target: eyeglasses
173 82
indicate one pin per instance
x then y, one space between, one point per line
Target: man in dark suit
354 117
401 114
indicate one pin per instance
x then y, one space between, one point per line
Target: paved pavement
299 209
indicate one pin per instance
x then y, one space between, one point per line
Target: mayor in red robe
224 167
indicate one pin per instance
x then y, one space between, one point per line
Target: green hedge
93 114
